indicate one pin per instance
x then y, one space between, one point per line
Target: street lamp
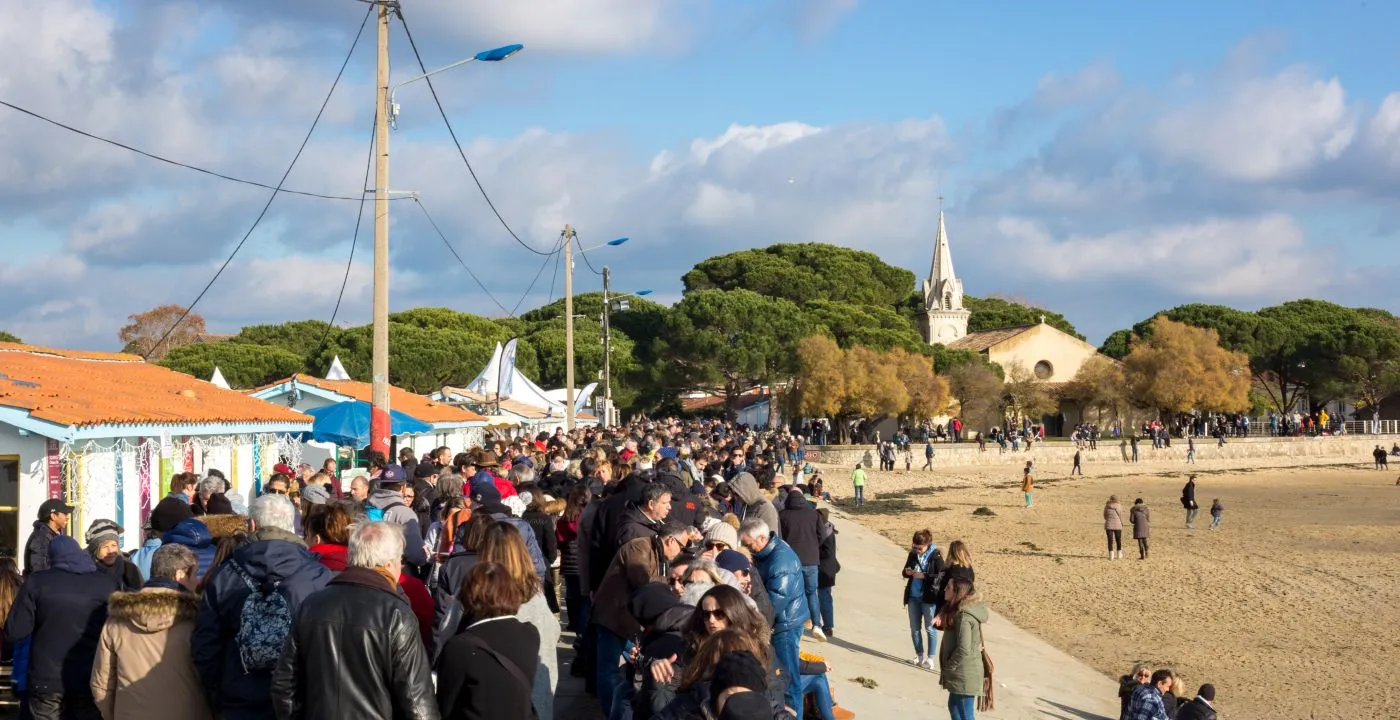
569 237
386 113
494 55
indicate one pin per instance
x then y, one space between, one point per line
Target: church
1052 354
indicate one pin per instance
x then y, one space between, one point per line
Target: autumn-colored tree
1180 368
1027 396
873 387
1100 387
821 378
928 393
979 392
143 332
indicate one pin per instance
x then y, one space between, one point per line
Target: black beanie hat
647 604
738 669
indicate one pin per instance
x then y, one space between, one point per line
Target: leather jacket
355 652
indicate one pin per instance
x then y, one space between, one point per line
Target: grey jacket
745 487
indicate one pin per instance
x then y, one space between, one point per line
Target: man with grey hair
781 573
247 611
355 651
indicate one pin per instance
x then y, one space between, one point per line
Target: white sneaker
918 661
818 635
927 664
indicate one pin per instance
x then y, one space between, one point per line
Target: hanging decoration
143 478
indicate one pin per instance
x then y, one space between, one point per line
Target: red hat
284 468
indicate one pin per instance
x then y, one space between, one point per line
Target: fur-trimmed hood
152 610
222 526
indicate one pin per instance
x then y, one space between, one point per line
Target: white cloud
714 205
569 26
1261 129
1089 82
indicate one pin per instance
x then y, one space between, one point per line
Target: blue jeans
961 707
828 609
809 582
920 615
817 685
860 495
610 649
785 654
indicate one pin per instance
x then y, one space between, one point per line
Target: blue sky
1105 160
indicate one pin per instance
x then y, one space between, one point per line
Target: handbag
987 700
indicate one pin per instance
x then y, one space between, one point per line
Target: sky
1105 160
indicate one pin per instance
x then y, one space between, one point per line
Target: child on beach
1216 510
1027 484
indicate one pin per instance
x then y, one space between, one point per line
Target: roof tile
429 411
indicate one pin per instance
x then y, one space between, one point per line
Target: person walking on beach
923 571
1135 448
1379 455
1188 501
1027 484
1113 527
1190 451
1141 519
858 480
928 454
1216 510
1076 470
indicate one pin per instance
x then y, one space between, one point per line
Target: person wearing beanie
1201 708
719 538
103 540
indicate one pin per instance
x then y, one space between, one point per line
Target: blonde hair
958 554
504 546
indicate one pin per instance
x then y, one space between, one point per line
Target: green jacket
960 652
858 477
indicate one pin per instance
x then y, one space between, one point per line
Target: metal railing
1367 427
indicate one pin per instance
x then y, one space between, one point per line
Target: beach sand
1291 608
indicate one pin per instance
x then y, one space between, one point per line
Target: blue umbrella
347 423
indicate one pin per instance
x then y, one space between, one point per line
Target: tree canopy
143 331
244 365
7 337
992 313
1179 368
805 272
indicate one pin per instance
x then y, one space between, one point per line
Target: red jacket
333 557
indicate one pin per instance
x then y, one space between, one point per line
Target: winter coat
566 539
960 656
63 608
142 557
930 590
536 613
336 558
782 576
665 639
637 563
1188 495
195 535
756 504
272 556
143 669
685 508
1197 709
122 570
1142 521
1113 516
1126 685
446 608
543 525
396 512
501 513
693 703
802 528
827 564
635 524
354 651
607 520
472 685
36 551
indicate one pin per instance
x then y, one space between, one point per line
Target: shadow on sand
1069 713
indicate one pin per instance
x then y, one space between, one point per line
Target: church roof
987 339
942 256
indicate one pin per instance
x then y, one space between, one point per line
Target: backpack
376 514
265 621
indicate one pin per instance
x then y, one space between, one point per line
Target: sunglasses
716 545
714 614
276 492
675 581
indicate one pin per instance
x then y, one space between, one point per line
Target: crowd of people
685 564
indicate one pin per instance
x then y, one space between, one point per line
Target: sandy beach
1291 608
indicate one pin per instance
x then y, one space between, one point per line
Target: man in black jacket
1201 708
53 520
802 530
355 650
1188 501
63 609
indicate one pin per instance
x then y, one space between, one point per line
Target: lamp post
570 235
607 343
386 112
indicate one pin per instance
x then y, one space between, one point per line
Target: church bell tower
943 319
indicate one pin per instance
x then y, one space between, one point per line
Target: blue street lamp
494 55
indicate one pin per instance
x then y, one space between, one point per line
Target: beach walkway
1034 680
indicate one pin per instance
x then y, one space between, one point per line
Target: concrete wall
1354 448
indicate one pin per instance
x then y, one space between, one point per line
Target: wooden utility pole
380 426
569 327
607 350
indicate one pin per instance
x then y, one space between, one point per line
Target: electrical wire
557 247
553 281
176 163
268 205
354 240
453 133
586 261
460 261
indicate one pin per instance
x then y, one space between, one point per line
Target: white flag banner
505 383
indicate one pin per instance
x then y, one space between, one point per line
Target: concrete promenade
1034 680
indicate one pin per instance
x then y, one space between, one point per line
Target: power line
553 281
557 247
176 163
453 133
586 261
268 205
354 240
460 261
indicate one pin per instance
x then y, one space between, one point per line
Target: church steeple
944 319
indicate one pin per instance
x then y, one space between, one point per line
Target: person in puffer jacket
781 572
195 535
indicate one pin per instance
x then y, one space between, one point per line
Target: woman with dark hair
695 700
566 539
960 655
485 671
10 580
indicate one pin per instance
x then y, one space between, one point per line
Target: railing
1367 427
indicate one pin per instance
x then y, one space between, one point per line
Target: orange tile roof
78 388
414 405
